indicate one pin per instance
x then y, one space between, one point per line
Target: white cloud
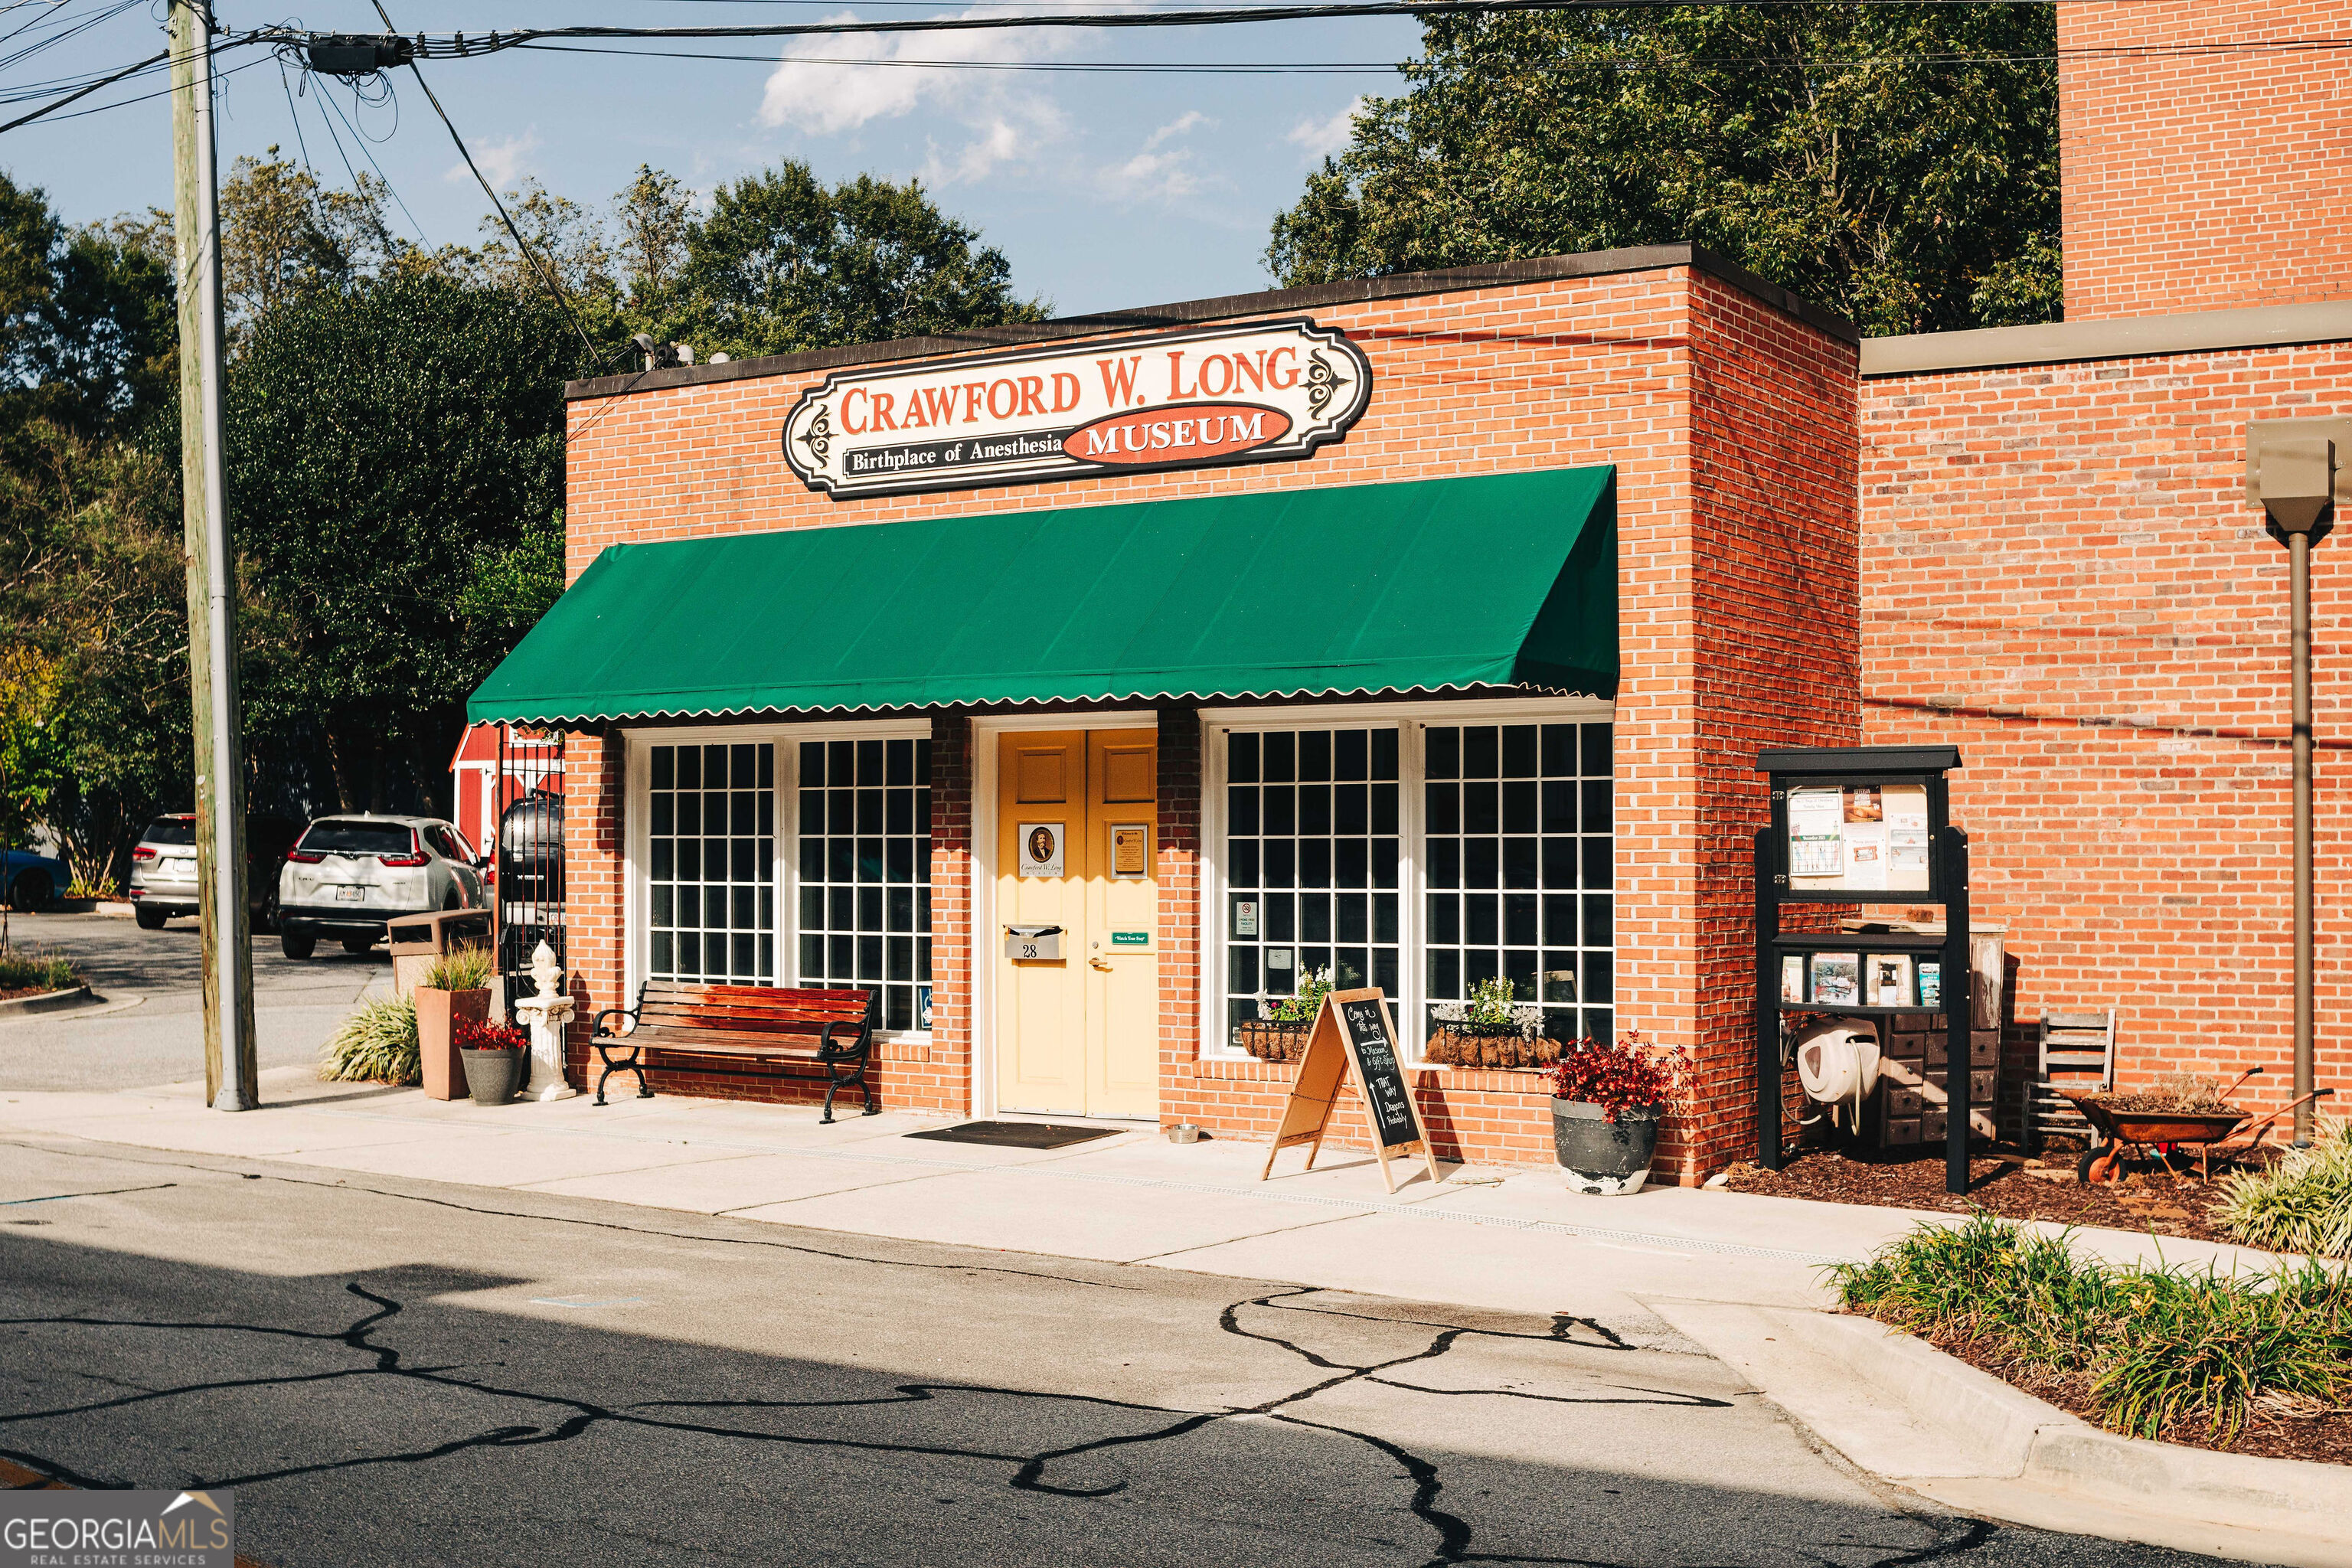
1159 172
503 163
829 86
1324 137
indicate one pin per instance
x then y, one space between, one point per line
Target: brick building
1345 709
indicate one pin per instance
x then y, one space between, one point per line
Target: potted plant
456 986
1490 1030
1280 1030
1606 1101
493 1055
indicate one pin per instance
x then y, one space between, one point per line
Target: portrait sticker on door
1130 852
1041 849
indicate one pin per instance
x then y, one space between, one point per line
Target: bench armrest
826 1050
596 1024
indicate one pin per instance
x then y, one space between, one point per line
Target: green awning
1501 580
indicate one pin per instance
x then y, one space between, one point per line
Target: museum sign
1255 392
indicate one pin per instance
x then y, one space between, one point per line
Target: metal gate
529 850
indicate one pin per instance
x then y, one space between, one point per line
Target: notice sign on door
1041 849
1130 851
1245 394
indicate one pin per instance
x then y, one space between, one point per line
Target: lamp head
2296 471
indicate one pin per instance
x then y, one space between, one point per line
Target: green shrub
2160 1350
375 1045
23 968
460 969
2301 1202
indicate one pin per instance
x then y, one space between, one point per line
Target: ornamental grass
2300 1202
459 969
2152 1352
375 1045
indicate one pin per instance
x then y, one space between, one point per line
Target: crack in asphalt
1456 1536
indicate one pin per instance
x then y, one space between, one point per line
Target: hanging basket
1456 1047
1270 1042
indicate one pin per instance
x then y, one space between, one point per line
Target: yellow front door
1078 1034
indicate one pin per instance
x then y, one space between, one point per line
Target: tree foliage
392 446
1892 163
87 331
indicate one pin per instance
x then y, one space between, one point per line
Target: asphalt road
152 1030
398 1372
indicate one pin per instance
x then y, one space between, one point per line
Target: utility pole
231 1070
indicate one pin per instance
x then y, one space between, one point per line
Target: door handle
1101 964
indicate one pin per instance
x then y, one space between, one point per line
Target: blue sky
1103 189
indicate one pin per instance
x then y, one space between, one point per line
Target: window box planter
1460 1048
1273 1042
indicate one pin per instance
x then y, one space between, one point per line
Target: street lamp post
2293 470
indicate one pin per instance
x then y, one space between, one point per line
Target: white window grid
779 870
1411 999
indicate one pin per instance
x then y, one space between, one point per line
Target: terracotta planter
1270 1042
1456 1048
437 1012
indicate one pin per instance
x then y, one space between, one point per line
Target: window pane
1539 836
710 909
870 871
1302 809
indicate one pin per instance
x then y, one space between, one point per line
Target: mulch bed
2325 1439
2004 1183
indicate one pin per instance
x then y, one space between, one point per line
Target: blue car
32 880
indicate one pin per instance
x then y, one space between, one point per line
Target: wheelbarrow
2221 1134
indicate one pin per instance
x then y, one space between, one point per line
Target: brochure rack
1869 828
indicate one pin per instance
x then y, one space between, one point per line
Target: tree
653 216
782 263
87 331
396 458
1888 162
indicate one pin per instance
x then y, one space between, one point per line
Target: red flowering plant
1632 1075
477 1035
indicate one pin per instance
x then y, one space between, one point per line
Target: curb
1902 1410
48 1002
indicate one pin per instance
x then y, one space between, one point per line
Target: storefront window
1311 861
865 828
711 821
1517 863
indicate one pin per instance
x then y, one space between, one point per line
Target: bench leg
635 1064
832 1085
873 1107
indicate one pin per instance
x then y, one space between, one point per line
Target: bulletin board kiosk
1853 826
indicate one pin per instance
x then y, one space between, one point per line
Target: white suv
354 871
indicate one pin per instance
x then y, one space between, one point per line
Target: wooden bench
831 1032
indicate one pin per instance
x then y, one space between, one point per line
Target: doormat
1016 1134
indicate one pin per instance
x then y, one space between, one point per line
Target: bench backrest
756 1009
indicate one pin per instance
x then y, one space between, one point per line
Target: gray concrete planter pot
1605 1158
492 1077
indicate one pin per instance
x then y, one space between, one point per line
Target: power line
81 94
1302 67
546 271
326 103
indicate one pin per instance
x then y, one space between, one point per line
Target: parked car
164 868
354 871
32 880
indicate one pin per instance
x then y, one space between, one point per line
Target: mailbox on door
1032 941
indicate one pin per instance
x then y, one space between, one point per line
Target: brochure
1906 807
1837 978
1931 982
1817 834
1890 980
1792 978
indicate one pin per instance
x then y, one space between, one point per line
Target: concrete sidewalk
1509 1238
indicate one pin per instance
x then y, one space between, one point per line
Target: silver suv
354 871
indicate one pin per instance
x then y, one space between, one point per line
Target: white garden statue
544 1016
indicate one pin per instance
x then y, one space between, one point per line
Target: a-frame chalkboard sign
1352 1029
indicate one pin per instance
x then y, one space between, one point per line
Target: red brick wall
1532 375
2061 576
2199 182
1774 584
